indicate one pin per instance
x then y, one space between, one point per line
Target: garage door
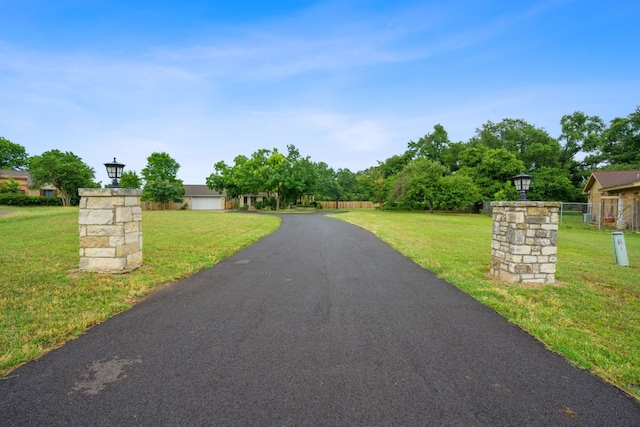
206 203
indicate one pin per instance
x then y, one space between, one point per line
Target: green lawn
591 316
44 301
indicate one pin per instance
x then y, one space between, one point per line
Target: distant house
614 197
23 178
201 197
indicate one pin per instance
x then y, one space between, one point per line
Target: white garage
206 203
200 197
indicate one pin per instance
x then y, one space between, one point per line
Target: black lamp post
114 170
522 183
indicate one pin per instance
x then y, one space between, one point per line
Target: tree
300 176
457 192
130 179
161 184
418 185
327 186
163 191
348 184
366 184
491 169
432 145
553 184
223 178
580 133
11 186
535 147
621 141
394 164
12 156
66 171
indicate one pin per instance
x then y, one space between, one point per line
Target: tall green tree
580 133
300 177
164 191
431 146
621 142
395 164
66 171
130 179
223 178
553 184
533 146
12 156
161 182
348 184
327 186
491 169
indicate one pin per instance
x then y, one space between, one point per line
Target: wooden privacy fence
157 206
347 205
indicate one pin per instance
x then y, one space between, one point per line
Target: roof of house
200 191
612 179
7 173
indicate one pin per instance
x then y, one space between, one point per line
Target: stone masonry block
95 242
99 252
132 201
104 202
131 237
515 237
116 240
102 265
535 220
521 250
132 227
104 230
548 268
124 250
515 217
124 214
134 260
537 211
96 217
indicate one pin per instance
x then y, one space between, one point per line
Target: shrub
13 199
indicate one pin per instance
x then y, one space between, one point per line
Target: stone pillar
110 230
524 245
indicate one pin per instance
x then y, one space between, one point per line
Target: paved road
320 323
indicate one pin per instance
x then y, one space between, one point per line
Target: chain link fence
614 213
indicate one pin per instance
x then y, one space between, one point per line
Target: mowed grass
591 316
45 301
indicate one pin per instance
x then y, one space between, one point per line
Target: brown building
23 178
614 198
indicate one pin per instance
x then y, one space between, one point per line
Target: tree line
67 172
432 172
436 173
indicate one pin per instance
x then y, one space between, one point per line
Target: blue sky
348 82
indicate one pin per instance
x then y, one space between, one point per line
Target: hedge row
14 199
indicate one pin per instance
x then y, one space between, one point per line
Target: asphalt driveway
319 323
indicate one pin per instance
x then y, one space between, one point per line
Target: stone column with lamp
110 224
524 241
